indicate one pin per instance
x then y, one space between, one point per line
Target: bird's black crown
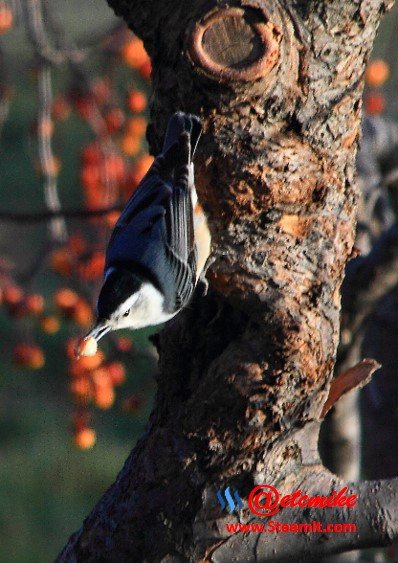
119 285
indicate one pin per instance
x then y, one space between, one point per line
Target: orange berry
130 145
94 197
114 167
81 388
76 369
96 263
146 69
84 363
90 176
77 244
136 126
85 438
37 359
60 108
123 344
61 262
140 169
101 377
136 101
34 303
91 154
376 73
6 18
117 372
114 119
133 53
143 164
375 103
49 324
84 107
12 295
82 314
112 218
66 299
29 355
104 396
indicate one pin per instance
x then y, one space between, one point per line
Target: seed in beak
87 347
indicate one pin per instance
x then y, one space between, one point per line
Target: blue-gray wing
155 230
181 248
155 234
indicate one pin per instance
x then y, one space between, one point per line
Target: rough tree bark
246 370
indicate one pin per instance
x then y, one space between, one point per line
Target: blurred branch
367 280
48 163
88 41
37 36
9 216
47 56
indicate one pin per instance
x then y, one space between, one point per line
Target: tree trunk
245 371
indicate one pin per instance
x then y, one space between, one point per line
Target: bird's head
118 301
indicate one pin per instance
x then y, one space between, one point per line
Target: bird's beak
100 329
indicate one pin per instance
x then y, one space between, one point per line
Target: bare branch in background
47 159
368 279
48 162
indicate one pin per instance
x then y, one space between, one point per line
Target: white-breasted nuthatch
152 261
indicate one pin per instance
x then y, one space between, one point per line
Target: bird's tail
179 124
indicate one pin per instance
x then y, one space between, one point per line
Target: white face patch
145 308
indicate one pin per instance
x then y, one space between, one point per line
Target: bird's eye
126 314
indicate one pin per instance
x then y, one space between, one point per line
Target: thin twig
57 226
37 36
